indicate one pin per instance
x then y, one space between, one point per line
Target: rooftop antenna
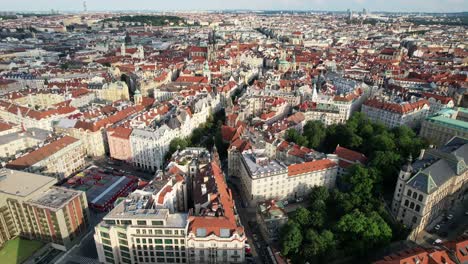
85 7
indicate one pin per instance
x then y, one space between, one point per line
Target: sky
187 5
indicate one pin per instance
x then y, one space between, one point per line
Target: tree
362 232
317 245
302 216
315 133
319 193
387 163
293 136
291 238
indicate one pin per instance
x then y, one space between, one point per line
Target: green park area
18 250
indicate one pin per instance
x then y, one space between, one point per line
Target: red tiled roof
441 98
41 153
122 132
306 167
163 193
4 126
350 155
397 108
212 224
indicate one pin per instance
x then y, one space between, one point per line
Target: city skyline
186 5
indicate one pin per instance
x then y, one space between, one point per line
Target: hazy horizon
200 5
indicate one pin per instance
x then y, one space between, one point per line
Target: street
447 229
122 166
85 251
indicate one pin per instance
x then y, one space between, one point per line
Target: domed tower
207 71
404 175
137 97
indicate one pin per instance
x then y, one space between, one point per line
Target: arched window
409 193
406 202
420 198
415 195
415 219
411 205
418 208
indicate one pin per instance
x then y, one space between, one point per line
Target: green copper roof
446 121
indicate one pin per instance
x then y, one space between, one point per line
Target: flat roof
21 183
55 198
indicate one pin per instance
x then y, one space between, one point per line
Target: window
415 195
168 241
158 241
418 208
168 232
157 223
107 248
415 219
409 193
420 198
406 202
103 234
141 222
411 205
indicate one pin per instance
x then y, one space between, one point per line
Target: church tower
212 48
404 175
137 97
207 71
123 50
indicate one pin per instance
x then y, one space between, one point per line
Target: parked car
450 217
437 227
300 199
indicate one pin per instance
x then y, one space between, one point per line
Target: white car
437 227
300 199
450 216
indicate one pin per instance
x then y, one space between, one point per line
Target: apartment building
150 144
185 215
449 252
263 178
431 185
17 141
58 216
114 91
58 158
31 206
392 115
438 102
43 119
136 232
444 125
18 186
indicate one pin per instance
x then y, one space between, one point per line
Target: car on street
437 227
450 217
300 199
